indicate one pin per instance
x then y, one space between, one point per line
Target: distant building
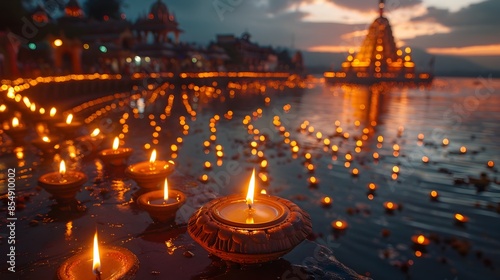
76 43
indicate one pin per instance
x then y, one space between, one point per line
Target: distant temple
379 60
75 42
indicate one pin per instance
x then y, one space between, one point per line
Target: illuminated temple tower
378 59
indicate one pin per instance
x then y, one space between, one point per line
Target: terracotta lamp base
162 213
254 242
63 190
117 263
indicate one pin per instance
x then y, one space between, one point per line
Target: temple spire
381 6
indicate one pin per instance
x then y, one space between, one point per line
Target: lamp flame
46 139
96 263
251 190
420 239
165 190
62 168
69 119
52 111
15 122
116 143
95 132
152 159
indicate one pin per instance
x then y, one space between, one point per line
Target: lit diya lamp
150 174
420 242
339 225
116 156
434 195
108 262
63 185
390 206
46 144
162 205
460 219
17 131
246 230
69 128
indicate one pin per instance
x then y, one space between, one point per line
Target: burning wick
152 160
96 263
251 190
62 169
52 112
116 144
95 132
165 192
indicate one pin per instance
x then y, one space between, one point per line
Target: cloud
474 25
365 6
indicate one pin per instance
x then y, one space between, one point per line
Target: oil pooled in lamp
162 205
246 230
115 156
150 174
17 131
69 128
100 263
63 185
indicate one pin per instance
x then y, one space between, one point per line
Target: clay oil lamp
115 156
162 205
51 116
63 185
17 131
46 144
248 230
390 207
150 175
107 262
420 242
326 202
434 195
460 219
69 128
339 225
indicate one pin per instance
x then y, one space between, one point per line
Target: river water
377 243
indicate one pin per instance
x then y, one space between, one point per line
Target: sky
456 27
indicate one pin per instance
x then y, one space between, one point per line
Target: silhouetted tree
99 9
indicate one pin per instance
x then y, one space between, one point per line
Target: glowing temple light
58 42
152 158
46 139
